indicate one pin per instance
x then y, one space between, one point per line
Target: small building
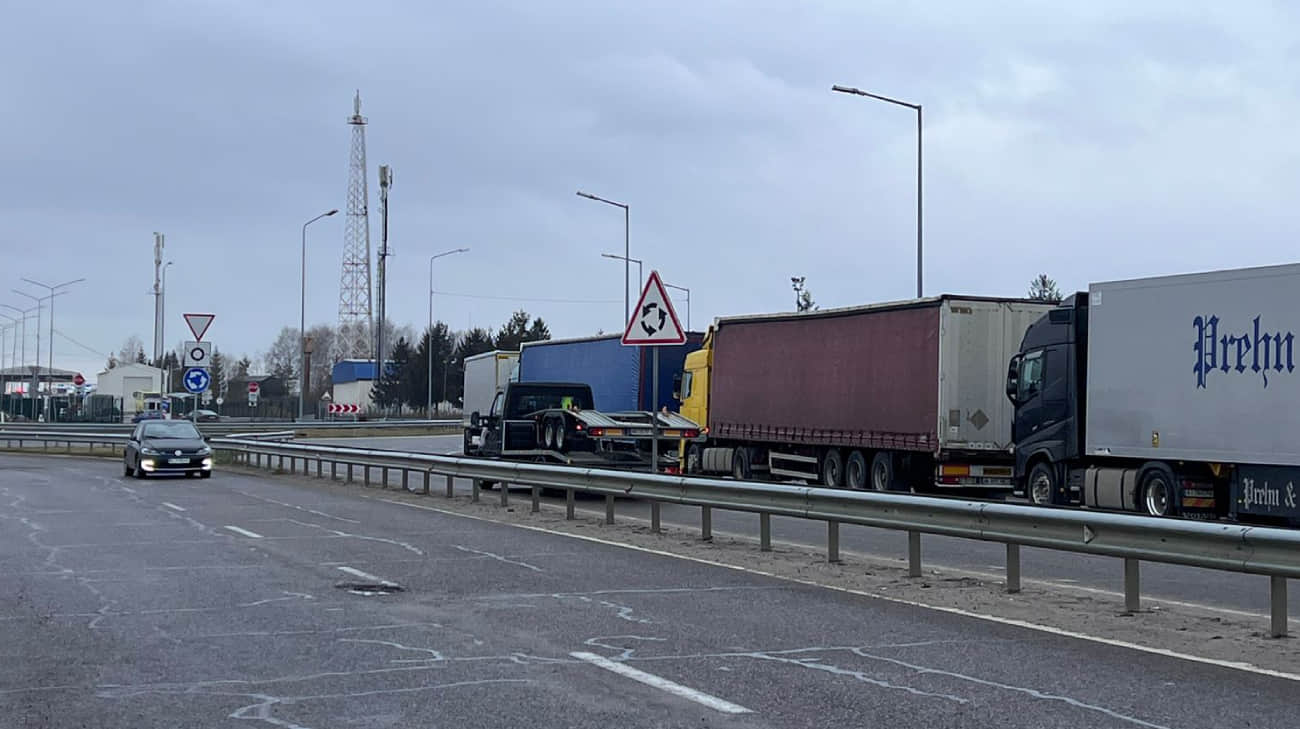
130 382
353 380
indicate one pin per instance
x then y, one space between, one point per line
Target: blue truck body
619 376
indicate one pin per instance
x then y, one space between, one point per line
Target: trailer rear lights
597 432
954 470
690 434
580 426
672 434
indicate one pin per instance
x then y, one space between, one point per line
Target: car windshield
171 429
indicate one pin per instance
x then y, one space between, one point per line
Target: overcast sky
1088 140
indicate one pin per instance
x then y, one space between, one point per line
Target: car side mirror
474 419
677 386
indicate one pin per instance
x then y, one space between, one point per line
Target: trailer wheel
548 435
740 469
1042 484
855 471
882 471
560 429
694 459
832 469
1160 492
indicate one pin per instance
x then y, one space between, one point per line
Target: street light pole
50 369
162 330
302 315
688 302
428 405
627 251
21 337
640 274
917 107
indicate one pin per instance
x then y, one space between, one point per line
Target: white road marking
1234 665
127 489
365 576
245 532
663 684
170 505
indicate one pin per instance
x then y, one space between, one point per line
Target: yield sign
653 320
199 323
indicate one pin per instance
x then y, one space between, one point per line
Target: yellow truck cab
693 394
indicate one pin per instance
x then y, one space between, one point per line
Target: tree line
405 384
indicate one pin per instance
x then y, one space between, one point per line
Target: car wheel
126 468
139 472
205 474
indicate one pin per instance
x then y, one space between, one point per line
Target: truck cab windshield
525 400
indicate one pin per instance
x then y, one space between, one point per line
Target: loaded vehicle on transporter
1169 396
906 395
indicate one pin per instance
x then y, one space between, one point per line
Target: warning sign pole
654 413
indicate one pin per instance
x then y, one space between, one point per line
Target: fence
1256 550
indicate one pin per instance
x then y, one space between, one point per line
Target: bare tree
132 350
281 359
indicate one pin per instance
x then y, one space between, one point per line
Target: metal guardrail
1211 545
233 428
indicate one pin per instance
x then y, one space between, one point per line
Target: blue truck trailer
619 376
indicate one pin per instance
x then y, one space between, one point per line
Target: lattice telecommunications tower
355 337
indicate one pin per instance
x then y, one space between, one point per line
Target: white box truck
485 374
1169 396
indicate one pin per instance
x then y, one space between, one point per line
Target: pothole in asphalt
370 588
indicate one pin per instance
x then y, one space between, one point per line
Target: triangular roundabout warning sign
653 320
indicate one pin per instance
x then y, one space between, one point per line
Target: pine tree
217 368
1043 288
388 392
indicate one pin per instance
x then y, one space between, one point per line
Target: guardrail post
383 477
505 493
406 480
365 474
258 461
833 542
1132 595
913 554
706 524
320 468
537 500
1013 568
451 485
478 486
609 508
69 446
428 479
334 470
765 532
1277 601
92 447
654 517
349 473
568 504
293 465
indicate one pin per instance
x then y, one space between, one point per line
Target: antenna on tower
356 326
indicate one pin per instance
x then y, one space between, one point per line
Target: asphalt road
217 603
1170 584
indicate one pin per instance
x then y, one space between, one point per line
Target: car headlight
205 451
149 452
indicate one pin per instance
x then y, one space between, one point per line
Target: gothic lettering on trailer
1266 496
1255 350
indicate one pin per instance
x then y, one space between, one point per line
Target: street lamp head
587 195
847 90
332 212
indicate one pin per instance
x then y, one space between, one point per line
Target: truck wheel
740 469
1042 484
1160 492
832 469
694 459
548 435
855 471
882 471
559 435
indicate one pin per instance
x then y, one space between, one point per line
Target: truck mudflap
1271 492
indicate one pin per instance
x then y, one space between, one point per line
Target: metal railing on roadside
236 428
1134 539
